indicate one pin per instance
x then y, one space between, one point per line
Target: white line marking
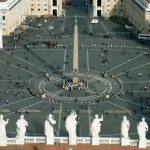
132 102
17 67
89 114
26 62
118 106
135 81
127 109
24 108
134 68
13 90
16 102
59 121
64 66
12 80
87 56
40 49
125 62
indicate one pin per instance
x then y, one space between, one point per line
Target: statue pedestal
125 142
49 140
142 143
20 141
3 141
95 141
72 141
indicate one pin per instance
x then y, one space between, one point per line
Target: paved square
41 58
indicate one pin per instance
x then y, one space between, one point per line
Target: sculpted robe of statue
3 124
125 126
96 126
142 127
21 126
49 131
70 125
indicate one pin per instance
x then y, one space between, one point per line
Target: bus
144 37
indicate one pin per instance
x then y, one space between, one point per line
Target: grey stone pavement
48 49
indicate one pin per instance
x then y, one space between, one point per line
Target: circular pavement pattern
98 87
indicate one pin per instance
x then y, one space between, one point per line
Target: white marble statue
96 126
125 126
142 128
3 124
21 127
49 131
70 125
95 129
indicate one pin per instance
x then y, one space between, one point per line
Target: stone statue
96 126
125 126
70 125
21 127
3 124
142 127
49 131
95 129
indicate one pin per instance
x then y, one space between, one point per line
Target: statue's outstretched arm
7 120
102 118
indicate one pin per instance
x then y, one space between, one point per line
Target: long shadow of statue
42 61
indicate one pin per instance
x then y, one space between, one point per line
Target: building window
54 2
39 9
3 17
98 2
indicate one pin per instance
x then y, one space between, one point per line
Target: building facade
138 13
14 12
45 7
108 8
11 16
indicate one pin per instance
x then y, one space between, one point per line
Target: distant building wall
138 13
108 8
45 7
13 13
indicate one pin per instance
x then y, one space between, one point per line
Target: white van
94 21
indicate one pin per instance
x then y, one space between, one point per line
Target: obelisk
75 54
1 38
